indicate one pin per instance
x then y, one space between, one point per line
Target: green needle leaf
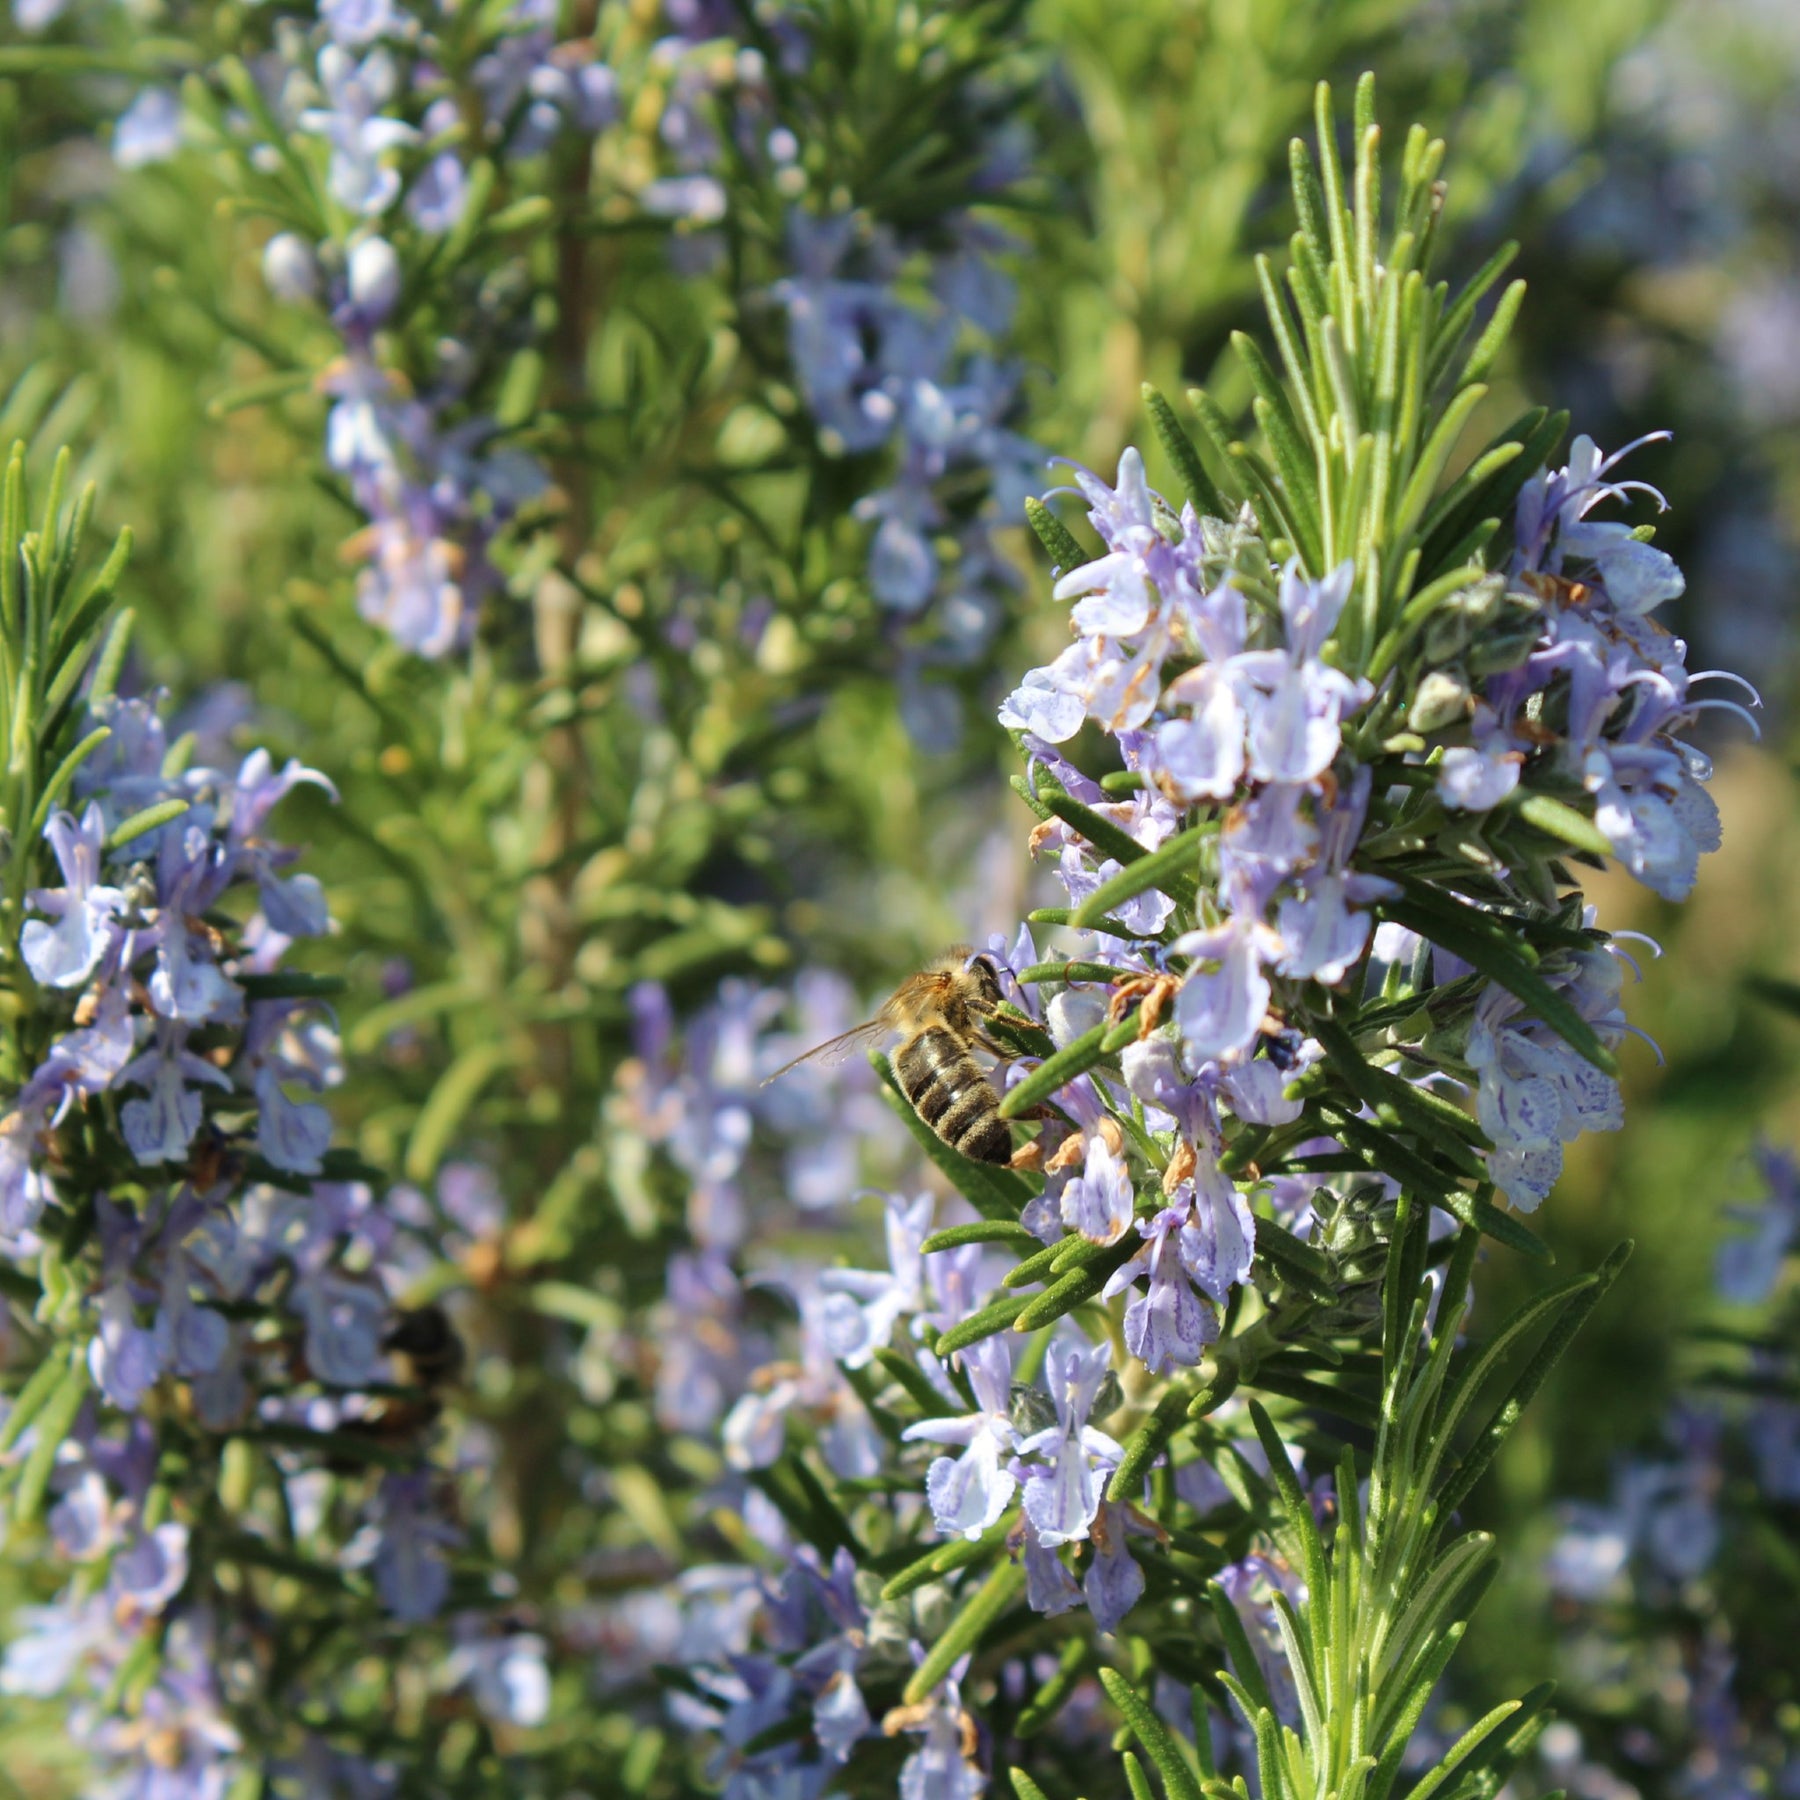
996 1316
1043 1081
977 1231
1576 1306
146 820
1154 1737
447 1110
1562 822
1047 1702
965 1631
1106 837
1077 1287
56 1418
1172 867
1148 1442
1179 448
945 1559
1055 536
58 784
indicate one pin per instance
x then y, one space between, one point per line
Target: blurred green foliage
1646 156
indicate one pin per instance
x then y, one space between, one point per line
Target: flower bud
290 268
374 279
1442 699
1506 643
1461 616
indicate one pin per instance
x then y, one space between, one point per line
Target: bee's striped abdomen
951 1094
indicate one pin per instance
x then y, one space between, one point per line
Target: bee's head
422 1331
986 983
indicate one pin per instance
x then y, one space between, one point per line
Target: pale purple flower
864 1305
506 1674
1204 1239
1300 700
941 1768
259 788
1118 584
1220 1006
1201 755
436 199
192 870
149 1572
596 96
126 1359
353 124
1773 1429
1168 1325
197 1338
1257 1091
291 1135
816 1616
1114 1583
85 1061
86 911
1100 1201
290 269
706 1352
755 1430
1250 1586
412 585
969 1493
1049 1587
1748 1266
1263 842
1658 819
1324 926
1534 1093
1062 1492
52 1642
287 1041
1218 1246
1477 776
149 130
1637 576
1044 706
372 281
86 1522
345 1318
160 1128
903 567
38 15
358 23
412 1575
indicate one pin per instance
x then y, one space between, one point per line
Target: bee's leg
1030 1155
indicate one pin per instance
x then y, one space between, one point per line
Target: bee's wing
835 1050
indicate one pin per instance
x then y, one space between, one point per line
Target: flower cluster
407 121
175 1197
1664 1544
1249 721
1216 681
428 467
882 369
1601 699
164 1006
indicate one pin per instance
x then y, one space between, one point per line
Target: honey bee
940 1011
426 1346
427 1357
